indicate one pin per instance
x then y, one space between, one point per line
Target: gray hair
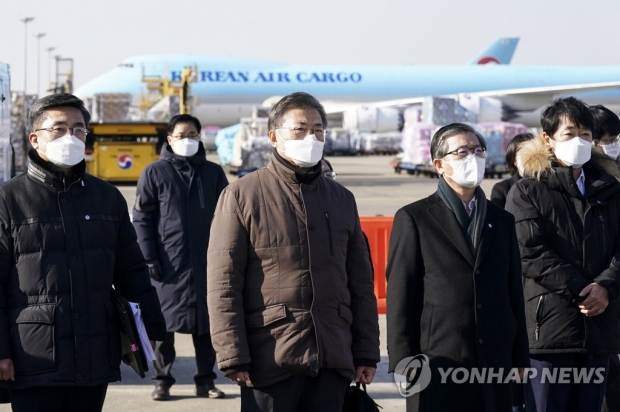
438 142
297 100
36 115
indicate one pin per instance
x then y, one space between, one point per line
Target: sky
98 35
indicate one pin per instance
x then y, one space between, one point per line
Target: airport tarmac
378 191
377 188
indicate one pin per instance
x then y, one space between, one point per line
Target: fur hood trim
534 158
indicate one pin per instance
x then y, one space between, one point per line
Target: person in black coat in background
605 133
501 189
498 196
175 203
454 289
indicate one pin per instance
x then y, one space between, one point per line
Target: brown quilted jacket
289 280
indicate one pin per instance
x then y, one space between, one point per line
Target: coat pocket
266 316
114 336
346 314
426 327
32 339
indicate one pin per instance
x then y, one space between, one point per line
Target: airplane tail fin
500 52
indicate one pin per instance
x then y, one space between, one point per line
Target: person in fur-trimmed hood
567 214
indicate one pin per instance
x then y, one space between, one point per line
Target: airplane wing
552 90
511 97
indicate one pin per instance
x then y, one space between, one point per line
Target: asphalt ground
378 191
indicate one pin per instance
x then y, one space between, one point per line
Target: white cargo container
371 119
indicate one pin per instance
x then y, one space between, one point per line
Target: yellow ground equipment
159 87
119 152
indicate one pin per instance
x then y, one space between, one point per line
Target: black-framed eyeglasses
301 132
463 152
605 142
59 131
185 136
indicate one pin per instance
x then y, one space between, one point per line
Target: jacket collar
50 174
199 158
446 220
290 173
537 161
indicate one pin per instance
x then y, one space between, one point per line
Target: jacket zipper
602 220
539 307
201 194
329 231
583 262
316 333
64 230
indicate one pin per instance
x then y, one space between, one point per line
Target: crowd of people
272 276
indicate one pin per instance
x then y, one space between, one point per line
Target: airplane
224 109
229 88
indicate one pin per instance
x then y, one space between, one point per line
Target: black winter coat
501 189
175 203
63 244
568 241
461 310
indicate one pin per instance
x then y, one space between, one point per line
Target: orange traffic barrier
378 230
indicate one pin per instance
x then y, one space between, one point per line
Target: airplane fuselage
227 89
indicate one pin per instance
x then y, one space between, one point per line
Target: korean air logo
124 161
412 375
488 60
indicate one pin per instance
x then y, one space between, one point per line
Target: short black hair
606 122
183 118
570 107
438 142
297 100
36 115
513 148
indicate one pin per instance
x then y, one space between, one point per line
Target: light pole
26 20
49 65
38 36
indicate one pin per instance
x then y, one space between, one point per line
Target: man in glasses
290 291
65 241
567 217
606 131
454 292
175 201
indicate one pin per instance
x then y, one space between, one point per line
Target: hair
513 148
438 142
606 122
297 100
36 115
183 118
573 109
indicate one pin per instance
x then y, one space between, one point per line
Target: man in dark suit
454 284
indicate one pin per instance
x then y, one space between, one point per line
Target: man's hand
7 373
596 301
365 374
239 376
153 344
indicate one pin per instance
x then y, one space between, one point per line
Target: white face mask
185 147
65 151
467 172
574 152
306 152
612 150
